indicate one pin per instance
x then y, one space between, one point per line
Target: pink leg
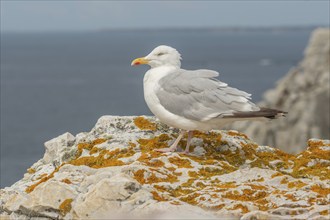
190 134
173 147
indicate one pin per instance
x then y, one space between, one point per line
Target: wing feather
198 95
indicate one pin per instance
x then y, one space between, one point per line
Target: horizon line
183 28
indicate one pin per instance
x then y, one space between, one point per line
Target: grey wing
198 95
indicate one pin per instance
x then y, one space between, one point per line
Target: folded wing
198 95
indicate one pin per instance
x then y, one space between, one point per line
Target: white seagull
193 99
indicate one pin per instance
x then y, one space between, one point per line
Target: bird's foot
185 152
165 150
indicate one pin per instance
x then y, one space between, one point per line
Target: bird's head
160 56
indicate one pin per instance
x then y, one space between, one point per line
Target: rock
55 145
304 93
113 172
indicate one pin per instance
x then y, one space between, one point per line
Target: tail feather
263 112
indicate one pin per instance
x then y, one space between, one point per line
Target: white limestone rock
113 172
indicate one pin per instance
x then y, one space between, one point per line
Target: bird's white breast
151 85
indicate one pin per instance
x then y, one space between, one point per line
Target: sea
58 82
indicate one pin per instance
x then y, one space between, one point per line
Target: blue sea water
57 82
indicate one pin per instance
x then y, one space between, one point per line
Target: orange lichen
189 182
227 185
88 146
42 180
235 133
257 187
260 179
191 198
65 206
139 176
240 206
179 191
157 197
324 212
291 197
147 145
179 162
175 203
315 143
31 171
207 172
276 174
66 180
210 139
151 177
104 159
320 190
154 179
301 166
41 176
297 184
247 195
284 180
160 188
192 173
263 204
94 150
216 207
151 160
171 169
144 124
202 183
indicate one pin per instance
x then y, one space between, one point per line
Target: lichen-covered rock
114 172
304 93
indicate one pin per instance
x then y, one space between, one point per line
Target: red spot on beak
137 63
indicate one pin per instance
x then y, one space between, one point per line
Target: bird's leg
173 147
190 134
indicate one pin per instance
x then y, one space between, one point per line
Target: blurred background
66 63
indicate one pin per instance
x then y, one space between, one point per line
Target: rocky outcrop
305 93
113 172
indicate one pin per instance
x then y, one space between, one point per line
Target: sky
25 15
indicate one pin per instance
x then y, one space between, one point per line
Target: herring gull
193 99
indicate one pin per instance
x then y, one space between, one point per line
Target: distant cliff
113 172
305 93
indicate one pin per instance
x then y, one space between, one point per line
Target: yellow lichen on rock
104 159
65 207
152 178
31 171
144 124
180 162
42 180
297 184
224 173
88 146
66 180
324 191
306 165
235 133
150 159
246 195
151 144
157 197
199 180
240 206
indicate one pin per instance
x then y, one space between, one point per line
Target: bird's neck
156 73
172 64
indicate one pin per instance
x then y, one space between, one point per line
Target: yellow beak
139 61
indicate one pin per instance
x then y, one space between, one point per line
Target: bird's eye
160 54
